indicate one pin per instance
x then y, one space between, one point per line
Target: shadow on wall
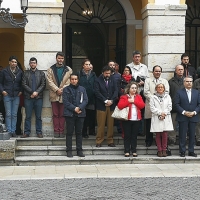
11 44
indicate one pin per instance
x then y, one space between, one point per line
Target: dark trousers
185 127
131 129
30 105
19 121
77 123
2 110
89 121
149 135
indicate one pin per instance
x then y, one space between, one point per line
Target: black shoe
182 154
111 145
85 136
69 154
192 154
80 154
14 135
92 133
98 145
39 135
198 143
25 136
148 144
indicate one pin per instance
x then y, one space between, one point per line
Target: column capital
163 10
45 8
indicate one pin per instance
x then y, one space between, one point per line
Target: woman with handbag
134 102
161 122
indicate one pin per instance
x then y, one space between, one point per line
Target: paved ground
120 181
116 188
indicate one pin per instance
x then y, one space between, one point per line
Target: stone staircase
52 151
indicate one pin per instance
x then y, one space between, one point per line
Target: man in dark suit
106 92
187 104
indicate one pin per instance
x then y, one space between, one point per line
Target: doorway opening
192 43
95 29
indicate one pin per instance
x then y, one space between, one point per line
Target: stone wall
163 36
43 39
7 152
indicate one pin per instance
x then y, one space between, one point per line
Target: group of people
82 99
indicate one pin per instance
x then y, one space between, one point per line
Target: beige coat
53 85
157 108
149 90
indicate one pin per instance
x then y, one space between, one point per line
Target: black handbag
168 151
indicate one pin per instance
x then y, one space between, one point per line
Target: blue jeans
11 105
30 105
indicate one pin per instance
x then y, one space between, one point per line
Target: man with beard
106 92
11 89
34 84
58 77
189 70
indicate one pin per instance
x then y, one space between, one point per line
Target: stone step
101 159
49 141
88 150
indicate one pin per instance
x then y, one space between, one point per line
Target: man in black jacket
189 70
106 92
175 83
10 87
86 79
34 84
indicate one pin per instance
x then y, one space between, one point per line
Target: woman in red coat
131 127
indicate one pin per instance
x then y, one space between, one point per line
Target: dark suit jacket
182 103
103 93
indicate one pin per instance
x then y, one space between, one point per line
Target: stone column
43 39
163 36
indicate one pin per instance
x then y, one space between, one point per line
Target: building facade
102 30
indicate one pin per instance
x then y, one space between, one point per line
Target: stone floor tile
15 177
47 176
81 175
23 172
113 175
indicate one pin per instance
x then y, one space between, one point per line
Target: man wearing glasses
34 83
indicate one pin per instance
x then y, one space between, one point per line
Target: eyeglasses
133 87
188 81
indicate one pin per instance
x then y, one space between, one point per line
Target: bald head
179 70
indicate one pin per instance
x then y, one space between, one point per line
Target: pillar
163 36
43 39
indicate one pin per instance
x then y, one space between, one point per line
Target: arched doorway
96 30
193 32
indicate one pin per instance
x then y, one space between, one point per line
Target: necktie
107 83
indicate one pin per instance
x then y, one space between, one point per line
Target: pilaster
163 36
43 39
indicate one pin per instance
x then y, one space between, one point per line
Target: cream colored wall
182 1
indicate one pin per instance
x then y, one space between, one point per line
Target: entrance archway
98 30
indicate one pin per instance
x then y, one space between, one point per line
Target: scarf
160 96
127 77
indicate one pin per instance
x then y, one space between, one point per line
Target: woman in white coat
161 122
